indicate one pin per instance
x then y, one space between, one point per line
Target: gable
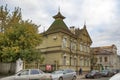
86 34
83 35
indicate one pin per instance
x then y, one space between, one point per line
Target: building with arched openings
66 47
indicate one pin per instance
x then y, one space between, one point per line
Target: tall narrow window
106 59
100 59
72 61
75 61
88 49
85 48
73 46
81 61
64 60
81 48
85 62
64 42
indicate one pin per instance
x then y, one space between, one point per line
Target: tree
19 38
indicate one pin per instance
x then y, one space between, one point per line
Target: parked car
29 74
107 73
93 74
65 74
115 71
115 77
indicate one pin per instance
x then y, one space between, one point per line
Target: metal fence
43 67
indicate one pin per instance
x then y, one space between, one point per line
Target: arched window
105 59
64 42
64 59
100 59
73 46
81 47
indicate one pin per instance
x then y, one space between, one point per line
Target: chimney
72 29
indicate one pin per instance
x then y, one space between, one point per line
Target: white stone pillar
19 65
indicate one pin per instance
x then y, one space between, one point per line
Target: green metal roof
58 24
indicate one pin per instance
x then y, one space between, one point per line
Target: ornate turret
58 24
59 16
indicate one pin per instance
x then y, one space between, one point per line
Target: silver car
115 77
29 74
66 74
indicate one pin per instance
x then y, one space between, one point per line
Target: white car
66 74
29 74
115 77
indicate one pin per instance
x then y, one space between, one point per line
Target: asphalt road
83 78
93 79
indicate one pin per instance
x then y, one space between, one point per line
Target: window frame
64 42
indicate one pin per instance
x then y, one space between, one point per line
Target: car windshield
104 71
57 72
41 72
23 72
34 72
94 71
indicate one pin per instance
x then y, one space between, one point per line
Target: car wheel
108 74
60 78
74 78
95 77
100 76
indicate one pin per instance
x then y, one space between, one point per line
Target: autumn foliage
18 38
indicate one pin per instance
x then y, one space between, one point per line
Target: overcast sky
102 17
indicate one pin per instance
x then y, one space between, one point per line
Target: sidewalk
4 75
1 76
81 76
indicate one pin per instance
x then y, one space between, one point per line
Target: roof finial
85 24
59 8
59 5
59 15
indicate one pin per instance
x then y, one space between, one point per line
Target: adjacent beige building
64 47
118 61
107 57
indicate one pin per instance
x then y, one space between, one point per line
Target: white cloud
102 16
99 11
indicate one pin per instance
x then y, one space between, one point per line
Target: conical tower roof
58 24
59 16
